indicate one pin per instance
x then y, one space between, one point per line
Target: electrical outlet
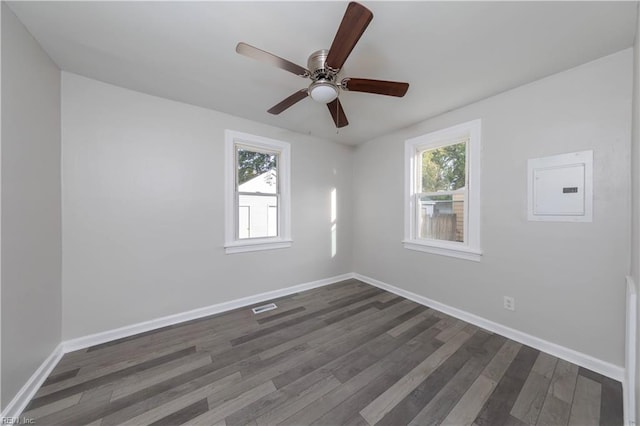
509 303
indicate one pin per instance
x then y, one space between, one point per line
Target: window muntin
442 179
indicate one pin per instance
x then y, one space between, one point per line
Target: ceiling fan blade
379 87
288 102
355 21
335 108
260 55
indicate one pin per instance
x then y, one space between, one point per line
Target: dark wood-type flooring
344 354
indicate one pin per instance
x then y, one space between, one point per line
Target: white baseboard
141 327
629 382
24 395
583 360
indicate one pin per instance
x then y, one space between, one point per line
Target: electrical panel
561 188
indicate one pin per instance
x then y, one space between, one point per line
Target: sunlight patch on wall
334 216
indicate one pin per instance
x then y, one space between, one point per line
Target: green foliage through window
252 164
443 169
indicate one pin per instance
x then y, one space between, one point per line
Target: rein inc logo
17 421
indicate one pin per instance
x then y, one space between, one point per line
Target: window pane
444 168
257 216
441 217
257 171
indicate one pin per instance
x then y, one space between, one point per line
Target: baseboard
629 384
583 360
26 393
130 330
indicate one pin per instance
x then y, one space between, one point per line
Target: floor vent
264 308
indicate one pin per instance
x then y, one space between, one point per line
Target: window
442 195
257 193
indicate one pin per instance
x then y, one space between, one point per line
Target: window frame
470 248
233 244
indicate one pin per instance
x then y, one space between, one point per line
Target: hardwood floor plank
372 317
184 415
388 369
401 328
470 404
171 405
497 409
170 370
91 401
554 411
53 407
529 402
100 370
563 382
418 399
276 400
56 378
611 405
585 410
344 410
280 315
356 420
295 403
323 334
611 410
348 408
63 393
265 331
342 345
378 408
443 402
468 407
139 402
545 365
451 331
362 357
220 411
501 362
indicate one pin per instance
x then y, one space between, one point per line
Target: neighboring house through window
442 192
257 193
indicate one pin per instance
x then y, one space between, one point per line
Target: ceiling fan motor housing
316 65
323 89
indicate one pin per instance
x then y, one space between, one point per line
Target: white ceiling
451 53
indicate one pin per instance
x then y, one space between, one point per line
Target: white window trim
283 240
470 249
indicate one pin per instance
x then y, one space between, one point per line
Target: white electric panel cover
561 187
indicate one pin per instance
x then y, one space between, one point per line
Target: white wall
143 210
567 278
31 222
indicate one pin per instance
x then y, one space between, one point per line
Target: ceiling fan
323 67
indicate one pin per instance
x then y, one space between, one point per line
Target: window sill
450 250
256 245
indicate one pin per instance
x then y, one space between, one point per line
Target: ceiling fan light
323 92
